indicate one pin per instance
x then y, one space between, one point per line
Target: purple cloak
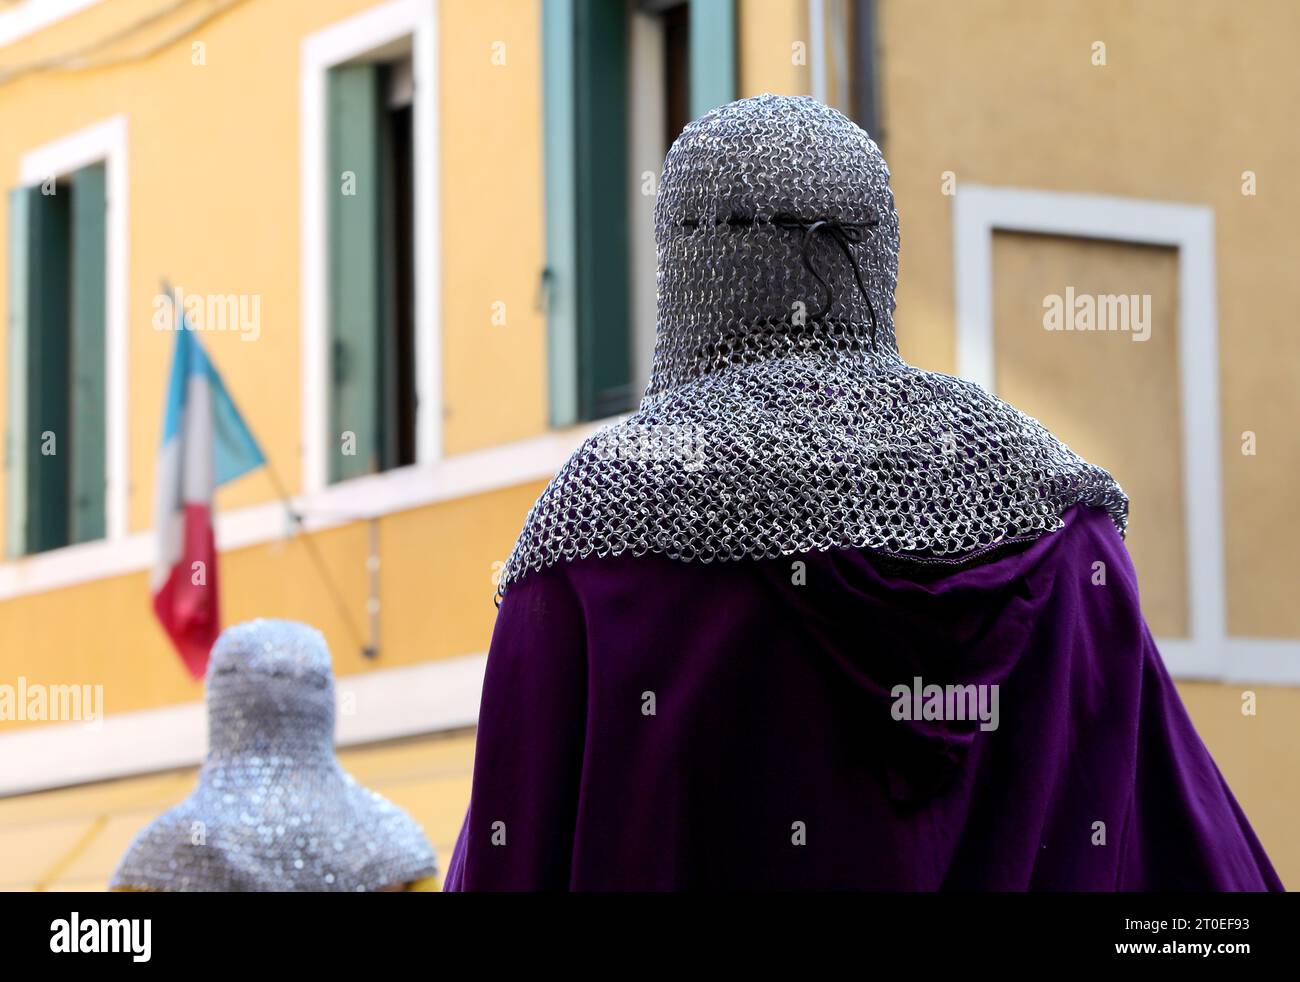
773 759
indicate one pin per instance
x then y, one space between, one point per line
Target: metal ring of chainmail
779 417
273 810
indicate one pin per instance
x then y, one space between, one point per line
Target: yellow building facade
214 124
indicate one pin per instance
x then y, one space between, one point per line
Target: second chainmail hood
273 810
779 417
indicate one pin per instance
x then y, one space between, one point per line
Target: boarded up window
1114 399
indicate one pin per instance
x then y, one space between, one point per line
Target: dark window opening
677 71
371 268
397 386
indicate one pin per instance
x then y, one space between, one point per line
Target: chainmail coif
779 417
273 809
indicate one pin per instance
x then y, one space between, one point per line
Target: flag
205 443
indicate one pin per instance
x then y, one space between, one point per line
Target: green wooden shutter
586 276
354 199
89 215
713 54
561 273
20 205
600 130
48 425
586 87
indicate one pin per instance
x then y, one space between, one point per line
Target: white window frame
339 43
103 142
387 704
978 212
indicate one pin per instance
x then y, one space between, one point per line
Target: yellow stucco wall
1259 756
768 32
1004 92
214 179
214 176
494 376
435 593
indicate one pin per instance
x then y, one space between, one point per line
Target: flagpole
367 650
298 519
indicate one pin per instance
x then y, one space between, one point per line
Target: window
371 282
371 273
622 80
1207 650
55 446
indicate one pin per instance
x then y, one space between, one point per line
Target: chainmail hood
273 810
779 417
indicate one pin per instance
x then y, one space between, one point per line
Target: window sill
357 499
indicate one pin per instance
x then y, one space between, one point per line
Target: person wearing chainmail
273 810
813 618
